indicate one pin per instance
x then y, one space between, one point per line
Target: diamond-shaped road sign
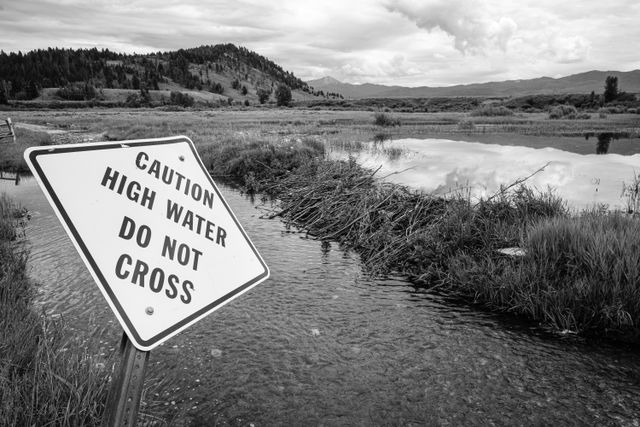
153 229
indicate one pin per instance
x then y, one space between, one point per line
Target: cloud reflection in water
442 166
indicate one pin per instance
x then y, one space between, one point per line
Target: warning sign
153 229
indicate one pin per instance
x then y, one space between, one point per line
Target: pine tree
610 89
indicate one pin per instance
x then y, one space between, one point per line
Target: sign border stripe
33 154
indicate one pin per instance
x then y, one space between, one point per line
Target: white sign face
153 229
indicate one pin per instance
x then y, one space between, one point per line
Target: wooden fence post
10 132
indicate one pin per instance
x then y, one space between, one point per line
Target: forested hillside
81 73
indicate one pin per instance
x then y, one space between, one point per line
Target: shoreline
42 381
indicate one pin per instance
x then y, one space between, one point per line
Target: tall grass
45 378
578 274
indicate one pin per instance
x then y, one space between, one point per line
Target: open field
338 127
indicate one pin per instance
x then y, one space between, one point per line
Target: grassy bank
11 155
46 378
579 274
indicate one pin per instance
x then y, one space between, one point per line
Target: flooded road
320 343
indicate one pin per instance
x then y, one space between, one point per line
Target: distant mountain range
577 83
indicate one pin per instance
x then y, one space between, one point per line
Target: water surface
320 343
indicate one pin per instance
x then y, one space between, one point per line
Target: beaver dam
443 166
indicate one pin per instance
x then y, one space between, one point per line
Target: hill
576 83
221 73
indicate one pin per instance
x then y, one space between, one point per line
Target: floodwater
319 343
443 166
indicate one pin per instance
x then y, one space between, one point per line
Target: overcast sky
404 42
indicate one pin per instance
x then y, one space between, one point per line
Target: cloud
567 50
405 42
470 26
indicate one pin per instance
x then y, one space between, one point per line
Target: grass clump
385 120
45 378
584 272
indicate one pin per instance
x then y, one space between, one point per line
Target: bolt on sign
153 229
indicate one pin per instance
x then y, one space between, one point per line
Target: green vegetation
610 89
283 95
183 99
563 112
41 382
263 95
77 92
385 120
11 155
580 274
490 110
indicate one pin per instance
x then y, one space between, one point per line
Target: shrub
133 101
216 88
466 125
489 110
283 95
385 120
563 112
263 95
617 109
77 92
182 99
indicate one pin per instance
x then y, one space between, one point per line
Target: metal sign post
126 389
